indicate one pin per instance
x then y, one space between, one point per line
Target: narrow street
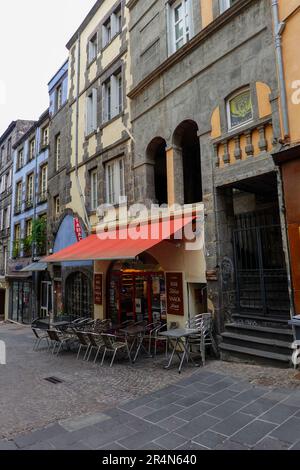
221 406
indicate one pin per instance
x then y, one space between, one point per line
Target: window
225 4
181 25
91 112
239 109
116 22
120 92
18 232
28 228
2 155
92 48
19 190
31 149
8 179
3 184
4 220
115 181
94 190
45 136
20 159
58 97
44 182
29 190
17 241
57 152
112 26
112 96
57 206
7 218
106 32
9 149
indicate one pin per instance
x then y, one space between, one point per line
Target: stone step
251 316
230 352
253 342
278 333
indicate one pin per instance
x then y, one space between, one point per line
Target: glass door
46 298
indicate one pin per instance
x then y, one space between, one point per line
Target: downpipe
279 28
82 200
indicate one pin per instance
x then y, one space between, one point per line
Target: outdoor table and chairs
179 337
59 339
113 344
137 333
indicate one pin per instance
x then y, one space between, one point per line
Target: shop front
142 279
21 301
136 291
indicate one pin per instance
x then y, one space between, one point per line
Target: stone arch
187 162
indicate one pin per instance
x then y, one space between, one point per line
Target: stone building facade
205 97
8 139
28 240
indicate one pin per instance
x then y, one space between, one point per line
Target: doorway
46 298
136 292
2 304
261 275
78 295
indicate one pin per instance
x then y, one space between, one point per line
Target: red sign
77 229
174 291
98 289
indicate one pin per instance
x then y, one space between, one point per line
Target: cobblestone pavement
142 406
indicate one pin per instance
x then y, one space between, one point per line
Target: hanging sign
174 292
98 289
77 229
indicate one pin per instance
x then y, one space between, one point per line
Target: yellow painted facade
111 132
289 12
206 12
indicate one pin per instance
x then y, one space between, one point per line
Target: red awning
124 243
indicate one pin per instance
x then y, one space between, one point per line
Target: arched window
239 109
187 142
156 153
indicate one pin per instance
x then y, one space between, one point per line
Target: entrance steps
257 342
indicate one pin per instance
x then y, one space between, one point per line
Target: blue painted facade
66 237
20 175
60 78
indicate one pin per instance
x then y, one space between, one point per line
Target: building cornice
216 24
84 24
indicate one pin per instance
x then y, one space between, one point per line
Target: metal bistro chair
96 343
84 343
58 339
112 345
161 339
202 322
148 336
40 336
101 325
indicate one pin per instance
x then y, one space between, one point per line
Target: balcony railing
42 198
29 203
18 209
244 143
4 233
16 249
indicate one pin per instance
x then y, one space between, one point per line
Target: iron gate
261 277
79 295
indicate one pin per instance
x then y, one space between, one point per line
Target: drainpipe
87 220
279 28
35 194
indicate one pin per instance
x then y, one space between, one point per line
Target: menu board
98 289
174 293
